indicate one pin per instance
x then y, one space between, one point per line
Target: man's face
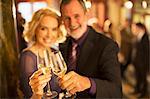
134 29
75 19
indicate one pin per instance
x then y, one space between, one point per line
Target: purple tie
72 57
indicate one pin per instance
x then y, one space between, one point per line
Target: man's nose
72 23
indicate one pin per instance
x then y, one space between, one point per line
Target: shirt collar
139 36
81 39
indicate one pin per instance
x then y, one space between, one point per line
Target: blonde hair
30 28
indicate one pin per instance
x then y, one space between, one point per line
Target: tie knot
74 46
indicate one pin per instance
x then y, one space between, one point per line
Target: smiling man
93 67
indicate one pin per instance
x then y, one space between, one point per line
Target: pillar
8 51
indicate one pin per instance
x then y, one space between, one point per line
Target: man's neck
140 35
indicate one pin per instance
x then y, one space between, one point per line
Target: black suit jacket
142 58
98 60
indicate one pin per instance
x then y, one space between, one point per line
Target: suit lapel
65 49
85 51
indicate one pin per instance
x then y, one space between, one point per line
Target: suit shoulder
103 39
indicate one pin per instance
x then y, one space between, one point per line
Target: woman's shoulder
28 52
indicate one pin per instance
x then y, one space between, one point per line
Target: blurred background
109 17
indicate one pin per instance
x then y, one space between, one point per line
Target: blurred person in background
141 59
108 29
41 32
126 46
93 22
20 28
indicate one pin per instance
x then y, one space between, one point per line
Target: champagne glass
59 68
44 64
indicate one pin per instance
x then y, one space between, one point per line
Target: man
96 71
126 46
140 59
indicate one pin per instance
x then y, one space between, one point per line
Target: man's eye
76 16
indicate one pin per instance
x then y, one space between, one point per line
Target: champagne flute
44 64
59 68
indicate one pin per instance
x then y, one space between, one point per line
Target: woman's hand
38 81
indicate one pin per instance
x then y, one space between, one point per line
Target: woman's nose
48 33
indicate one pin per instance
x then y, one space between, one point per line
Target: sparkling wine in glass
59 67
44 64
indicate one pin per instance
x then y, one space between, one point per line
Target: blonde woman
41 32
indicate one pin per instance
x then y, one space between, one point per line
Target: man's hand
74 82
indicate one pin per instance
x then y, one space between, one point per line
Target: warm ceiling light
144 4
128 4
88 4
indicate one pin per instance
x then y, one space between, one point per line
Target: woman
42 31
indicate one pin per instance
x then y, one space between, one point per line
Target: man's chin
75 35
75 31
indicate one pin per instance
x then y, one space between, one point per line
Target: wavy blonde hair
30 28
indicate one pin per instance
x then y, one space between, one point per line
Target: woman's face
47 31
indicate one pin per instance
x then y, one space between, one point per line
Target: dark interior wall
8 52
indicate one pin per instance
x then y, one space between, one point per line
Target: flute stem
49 89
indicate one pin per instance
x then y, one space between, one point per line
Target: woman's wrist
36 96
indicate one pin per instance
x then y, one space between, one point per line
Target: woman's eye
43 28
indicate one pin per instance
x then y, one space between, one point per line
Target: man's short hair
65 2
142 26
